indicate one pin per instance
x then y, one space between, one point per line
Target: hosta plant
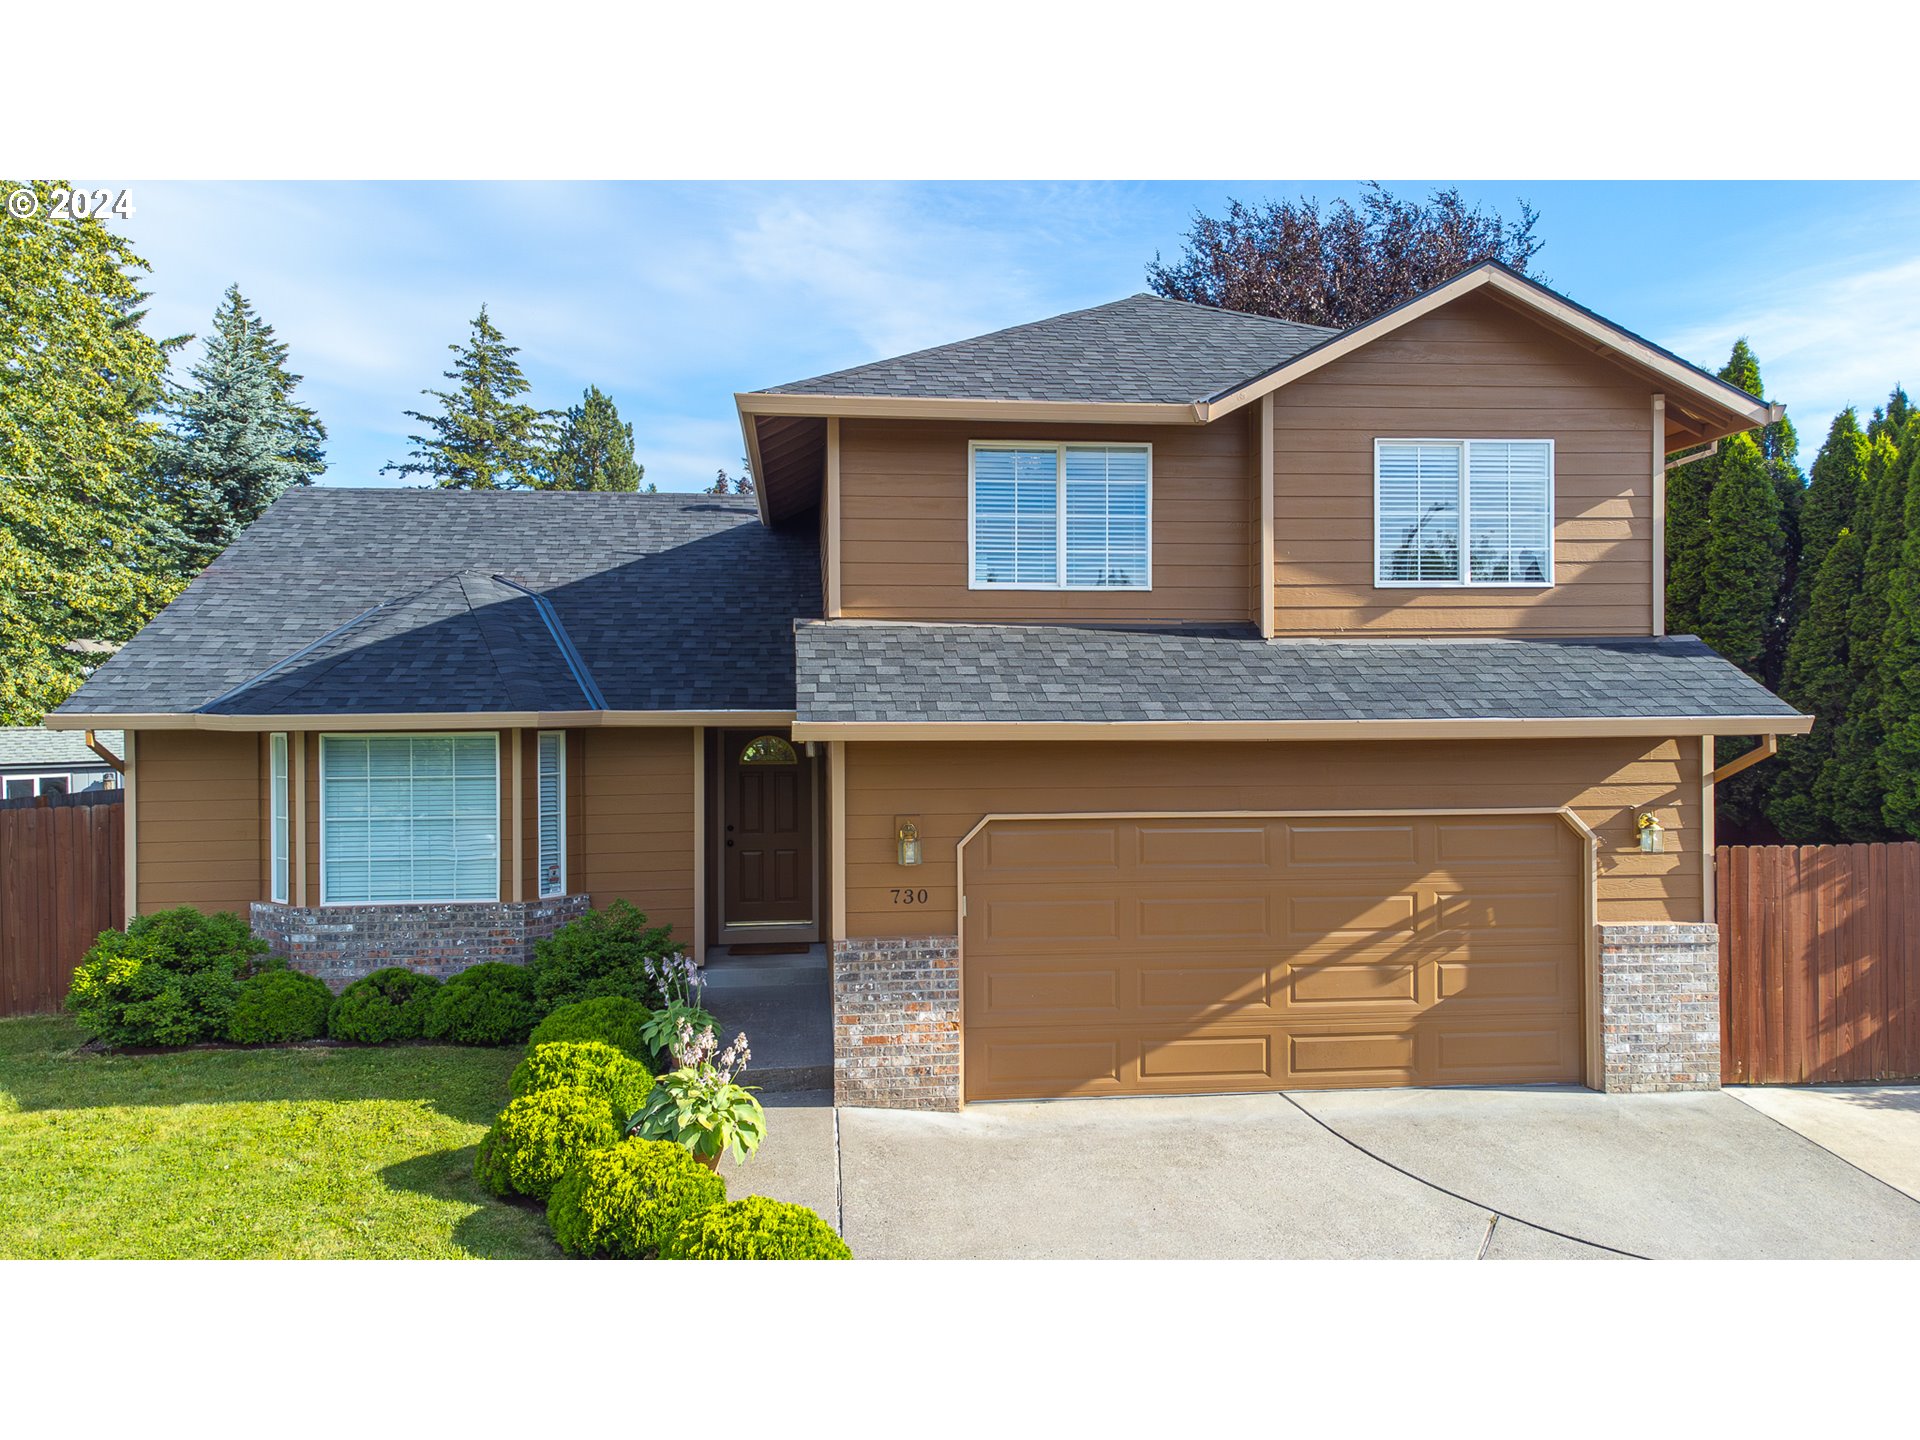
701 1104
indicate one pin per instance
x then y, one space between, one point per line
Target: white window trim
1465 447
560 790
1060 449
499 819
279 814
39 779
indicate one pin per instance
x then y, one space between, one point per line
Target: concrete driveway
1498 1174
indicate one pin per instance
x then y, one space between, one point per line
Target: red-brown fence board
1819 963
62 881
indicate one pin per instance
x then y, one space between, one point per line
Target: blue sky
673 296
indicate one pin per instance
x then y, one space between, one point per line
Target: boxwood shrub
615 1020
389 1004
627 1201
170 978
615 1076
604 952
539 1136
490 1004
278 1006
755 1228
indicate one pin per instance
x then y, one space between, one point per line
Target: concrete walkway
1876 1127
1405 1174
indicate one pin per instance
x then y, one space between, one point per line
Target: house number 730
909 897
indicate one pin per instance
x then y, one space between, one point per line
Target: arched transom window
768 750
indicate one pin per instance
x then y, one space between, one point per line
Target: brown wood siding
903 532
198 822
950 787
637 822
1473 370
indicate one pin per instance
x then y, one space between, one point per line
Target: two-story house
1151 699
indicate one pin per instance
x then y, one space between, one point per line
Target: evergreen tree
1688 487
485 437
1820 675
1833 489
1850 791
1891 418
1744 550
80 532
725 484
238 437
1899 662
594 448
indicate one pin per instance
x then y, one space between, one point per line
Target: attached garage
1167 954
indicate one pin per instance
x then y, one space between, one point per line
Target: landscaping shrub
604 952
755 1228
539 1136
489 1004
626 1202
279 1005
619 1079
390 1004
612 1020
169 979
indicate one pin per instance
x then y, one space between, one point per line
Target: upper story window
1060 517
1497 494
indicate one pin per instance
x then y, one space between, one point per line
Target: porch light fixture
1652 834
906 837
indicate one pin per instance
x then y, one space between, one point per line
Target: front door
767 839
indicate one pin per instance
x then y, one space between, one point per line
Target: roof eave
904 407
418 720
1664 727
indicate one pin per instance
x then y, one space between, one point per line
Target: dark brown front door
768 832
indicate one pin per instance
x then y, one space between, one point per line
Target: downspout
1768 747
119 765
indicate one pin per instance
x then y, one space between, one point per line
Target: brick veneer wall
1660 1007
341 943
896 1023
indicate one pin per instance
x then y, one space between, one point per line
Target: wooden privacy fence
1819 963
62 881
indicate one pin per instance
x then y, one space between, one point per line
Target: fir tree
485 437
1820 675
1899 662
239 439
1744 549
1891 418
1833 489
594 448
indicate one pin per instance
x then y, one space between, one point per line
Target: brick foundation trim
342 943
1660 1007
896 1023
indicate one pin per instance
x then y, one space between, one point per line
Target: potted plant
701 1104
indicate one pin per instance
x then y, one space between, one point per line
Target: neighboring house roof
875 675
34 747
1142 350
363 601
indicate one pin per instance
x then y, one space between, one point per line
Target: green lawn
321 1154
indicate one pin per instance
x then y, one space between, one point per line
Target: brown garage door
1170 955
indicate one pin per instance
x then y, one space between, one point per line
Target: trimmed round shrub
539 1136
615 1020
626 1202
277 1006
489 1004
169 979
604 952
615 1076
390 1004
755 1228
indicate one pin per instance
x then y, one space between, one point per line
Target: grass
290 1154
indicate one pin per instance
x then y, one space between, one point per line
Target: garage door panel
1032 850
1301 951
1351 844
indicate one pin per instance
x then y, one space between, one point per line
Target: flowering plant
700 1103
675 987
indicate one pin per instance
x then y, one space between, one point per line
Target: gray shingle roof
1141 350
871 672
674 602
34 747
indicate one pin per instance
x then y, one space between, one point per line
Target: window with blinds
1463 512
1049 517
409 818
277 748
553 812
